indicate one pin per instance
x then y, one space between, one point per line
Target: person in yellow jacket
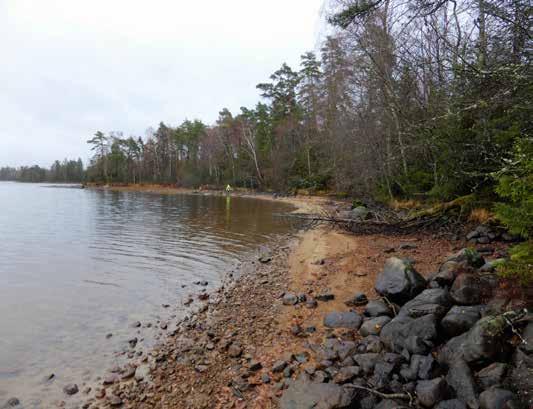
229 189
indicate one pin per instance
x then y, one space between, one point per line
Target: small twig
403 396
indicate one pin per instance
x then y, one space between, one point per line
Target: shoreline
215 360
302 203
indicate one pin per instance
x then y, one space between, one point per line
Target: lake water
76 265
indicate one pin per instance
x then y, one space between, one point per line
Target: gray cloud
73 67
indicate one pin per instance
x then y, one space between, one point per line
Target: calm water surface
78 264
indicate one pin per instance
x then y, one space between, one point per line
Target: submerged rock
71 389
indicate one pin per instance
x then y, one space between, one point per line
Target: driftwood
385 220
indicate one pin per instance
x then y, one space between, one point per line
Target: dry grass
480 215
405 204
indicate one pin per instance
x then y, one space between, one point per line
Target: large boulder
435 301
305 394
414 334
482 343
343 319
460 378
460 319
399 281
466 289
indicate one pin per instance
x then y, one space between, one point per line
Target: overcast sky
72 67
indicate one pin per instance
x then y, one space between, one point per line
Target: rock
399 281
311 303
296 330
431 392
357 300
373 326
142 373
479 345
255 366
132 341
346 374
377 308
520 376
235 350
367 362
492 375
421 367
495 398
163 325
325 297
289 299
129 372
71 389
460 319
349 320
136 324
390 404
460 379
279 366
451 404
435 301
370 344
265 378
111 379
305 394
288 371
414 334
114 400
447 273
466 289
11 403
468 258
527 335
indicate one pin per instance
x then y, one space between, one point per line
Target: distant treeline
60 172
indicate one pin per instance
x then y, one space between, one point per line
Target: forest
67 171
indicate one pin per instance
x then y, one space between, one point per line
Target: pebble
71 389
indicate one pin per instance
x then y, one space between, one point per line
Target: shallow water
76 265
